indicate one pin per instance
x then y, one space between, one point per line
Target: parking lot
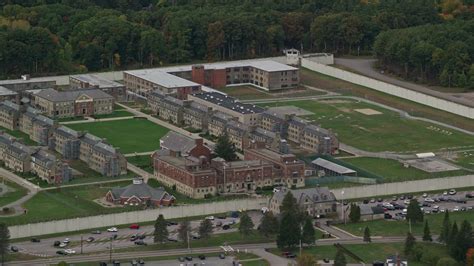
452 201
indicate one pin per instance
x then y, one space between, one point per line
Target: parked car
141 262
188 258
66 240
452 192
133 238
469 195
221 216
456 209
70 251
222 256
372 200
225 227
63 245
202 257
172 239
181 259
140 243
402 197
170 223
394 198
430 200
424 195
387 216
61 252
90 239
409 196
35 240
112 229
134 263
210 218
96 232
134 226
13 249
56 243
366 201
463 209
445 193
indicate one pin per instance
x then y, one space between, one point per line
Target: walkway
139 153
92 120
365 67
32 190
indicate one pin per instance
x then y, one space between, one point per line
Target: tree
225 149
410 242
205 228
427 233
463 241
414 213
63 263
470 256
246 225
289 204
452 238
340 259
367 235
4 240
269 224
446 262
445 230
161 232
306 260
308 237
354 215
184 231
429 257
290 231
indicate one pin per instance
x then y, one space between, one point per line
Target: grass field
66 203
336 85
19 135
382 132
393 171
400 228
466 159
12 196
130 135
116 113
369 252
142 161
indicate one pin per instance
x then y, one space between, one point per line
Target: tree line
64 36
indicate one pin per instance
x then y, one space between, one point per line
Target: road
365 67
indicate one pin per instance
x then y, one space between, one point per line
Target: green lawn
67 119
142 161
66 203
130 135
382 132
19 135
466 159
400 228
116 113
394 171
369 252
248 92
17 193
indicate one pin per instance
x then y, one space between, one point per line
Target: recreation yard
14 193
249 92
130 135
372 128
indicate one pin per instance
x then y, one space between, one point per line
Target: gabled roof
71 95
176 142
314 195
142 191
10 106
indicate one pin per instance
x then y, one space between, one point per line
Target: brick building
140 193
17 157
91 81
9 95
107 160
9 115
66 141
196 116
167 107
217 123
71 103
314 201
47 167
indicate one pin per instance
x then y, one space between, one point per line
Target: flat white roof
4 91
332 166
96 80
162 77
425 155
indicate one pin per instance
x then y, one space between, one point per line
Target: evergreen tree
463 241
414 213
354 215
340 259
306 260
308 237
367 235
410 242
290 231
452 238
184 231
289 204
161 232
446 262
427 233
205 228
4 240
269 224
225 149
445 230
246 225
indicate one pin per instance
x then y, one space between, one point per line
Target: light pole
110 254
81 243
342 206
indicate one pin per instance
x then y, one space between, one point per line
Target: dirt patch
361 128
368 111
345 110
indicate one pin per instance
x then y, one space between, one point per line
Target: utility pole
301 244
409 224
187 237
342 207
81 243
110 254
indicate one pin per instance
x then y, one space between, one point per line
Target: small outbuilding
327 168
140 193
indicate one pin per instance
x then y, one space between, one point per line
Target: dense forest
64 36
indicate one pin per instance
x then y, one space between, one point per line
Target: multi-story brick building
66 142
5 141
9 115
218 123
9 95
47 167
316 202
88 81
275 122
247 114
287 167
17 157
88 141
196 116
258 134
319 140
71 103
167 107
107 160
37 126
237 133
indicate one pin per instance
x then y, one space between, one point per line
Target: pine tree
269 224
205 228
427 233
306 260
445 230
289 204
308 237
4 240
354 215
161 232
367 235
463 241
184 231
414 213
410 242
246 225
452 238
340 259
224 148
290 231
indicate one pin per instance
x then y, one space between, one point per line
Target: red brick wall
184 177
200 150
197 74
219 78
89 106
183 92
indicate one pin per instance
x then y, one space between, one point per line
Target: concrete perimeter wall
391 89
443 183
107 220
